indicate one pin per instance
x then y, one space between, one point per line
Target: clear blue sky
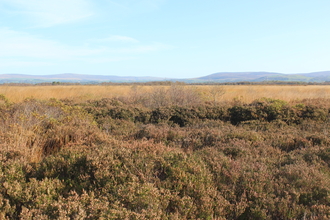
167 38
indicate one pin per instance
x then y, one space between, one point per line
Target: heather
168 155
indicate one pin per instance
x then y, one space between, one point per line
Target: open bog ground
245 93
164 152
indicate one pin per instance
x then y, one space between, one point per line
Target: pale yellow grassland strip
19 93
287 93
244 93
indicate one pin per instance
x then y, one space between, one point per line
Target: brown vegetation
172 152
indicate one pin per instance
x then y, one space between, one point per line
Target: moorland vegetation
245 92
165 153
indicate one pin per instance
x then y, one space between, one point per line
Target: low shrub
111 159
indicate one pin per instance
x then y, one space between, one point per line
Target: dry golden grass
19 93
288 93
244 93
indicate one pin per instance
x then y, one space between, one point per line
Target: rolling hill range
73 78
266 76
216 77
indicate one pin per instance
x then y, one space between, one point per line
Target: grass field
243 93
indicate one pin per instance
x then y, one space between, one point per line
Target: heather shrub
121 159
159 133
242 113
161 115
315 113
263 110
4 101
324 154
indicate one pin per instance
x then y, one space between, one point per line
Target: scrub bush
110 159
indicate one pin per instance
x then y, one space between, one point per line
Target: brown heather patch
131 158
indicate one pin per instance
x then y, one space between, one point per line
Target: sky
163 38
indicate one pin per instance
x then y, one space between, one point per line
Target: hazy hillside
234 77
216 77
70 77
266 76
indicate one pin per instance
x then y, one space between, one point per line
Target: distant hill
70 77
236 76
216 77
265 76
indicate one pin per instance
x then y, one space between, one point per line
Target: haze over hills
216 77
71 77
267 76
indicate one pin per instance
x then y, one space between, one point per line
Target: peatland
164 152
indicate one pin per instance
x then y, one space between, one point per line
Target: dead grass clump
164 96
41 128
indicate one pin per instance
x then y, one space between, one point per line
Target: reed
243 93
